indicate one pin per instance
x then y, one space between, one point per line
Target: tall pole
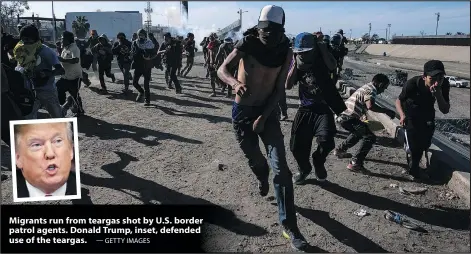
389 33
54 23
350 34
369 33
240 15
438 18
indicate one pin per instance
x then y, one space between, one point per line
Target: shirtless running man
259 86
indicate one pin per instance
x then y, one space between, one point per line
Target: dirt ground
168 154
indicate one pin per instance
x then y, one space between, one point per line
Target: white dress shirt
35 192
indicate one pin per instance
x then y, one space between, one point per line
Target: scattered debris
412 190
448 195
217 164
401 220
222 167
361 213
393 185
270 198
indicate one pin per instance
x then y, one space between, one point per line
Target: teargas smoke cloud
181 26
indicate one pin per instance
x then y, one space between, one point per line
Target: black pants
171 76
102 70
85 78
125 69
10 112
146 72
358 131
189 64
420 139
73 87
306 126
214 78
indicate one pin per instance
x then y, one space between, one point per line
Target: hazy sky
408 18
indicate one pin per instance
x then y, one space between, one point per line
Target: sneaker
297 240
300 178
341 154
321 172
147 103
178 92
353 166
139 97
263 187
87 83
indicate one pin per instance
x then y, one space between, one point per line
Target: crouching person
358 104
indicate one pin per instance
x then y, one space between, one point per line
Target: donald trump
44 153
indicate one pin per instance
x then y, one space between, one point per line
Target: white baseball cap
271 16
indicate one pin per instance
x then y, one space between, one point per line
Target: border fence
445 40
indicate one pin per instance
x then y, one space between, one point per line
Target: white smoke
180 26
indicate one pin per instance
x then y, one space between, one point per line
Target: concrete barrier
419 68
427 52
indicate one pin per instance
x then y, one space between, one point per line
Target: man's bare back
260 81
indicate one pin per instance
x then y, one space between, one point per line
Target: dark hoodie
92 41
122 51
173 54
139 49
107 56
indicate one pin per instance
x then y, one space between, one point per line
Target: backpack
22 93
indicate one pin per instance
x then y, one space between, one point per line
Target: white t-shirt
72 71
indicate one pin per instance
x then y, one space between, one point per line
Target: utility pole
240 15
386 34
149 11
389 34
350 34
369 33
53 24
438 18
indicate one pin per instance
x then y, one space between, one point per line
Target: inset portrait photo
45 154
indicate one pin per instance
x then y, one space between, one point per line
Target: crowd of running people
258 68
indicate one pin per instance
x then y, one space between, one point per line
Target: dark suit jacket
23 190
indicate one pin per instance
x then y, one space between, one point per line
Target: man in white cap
264 59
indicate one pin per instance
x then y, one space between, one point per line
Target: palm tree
80 26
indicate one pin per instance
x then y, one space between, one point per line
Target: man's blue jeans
272 137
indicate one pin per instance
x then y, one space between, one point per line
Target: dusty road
167 154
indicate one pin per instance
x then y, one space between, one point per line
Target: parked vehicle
458 82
